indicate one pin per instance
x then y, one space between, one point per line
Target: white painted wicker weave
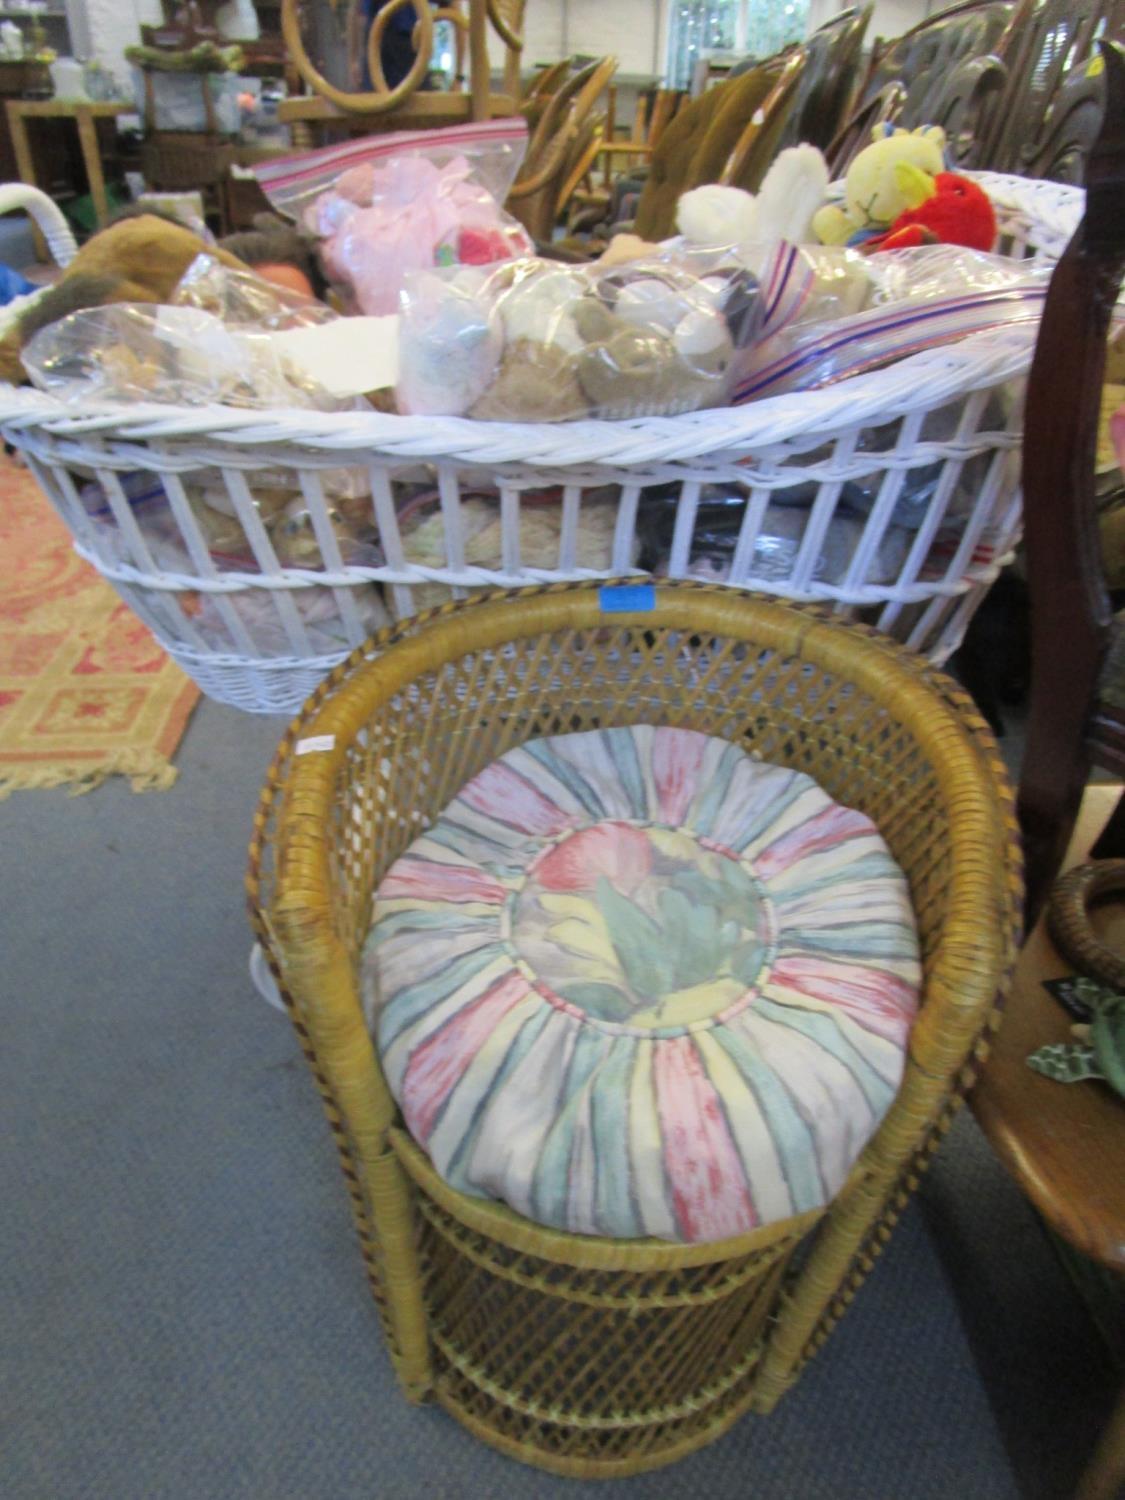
951 412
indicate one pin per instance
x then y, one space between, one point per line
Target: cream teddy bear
873 189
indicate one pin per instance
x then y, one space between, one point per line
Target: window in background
745 28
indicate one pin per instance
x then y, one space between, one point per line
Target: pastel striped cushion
633 982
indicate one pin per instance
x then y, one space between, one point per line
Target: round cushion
633 982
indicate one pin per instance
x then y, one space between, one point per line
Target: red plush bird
955 212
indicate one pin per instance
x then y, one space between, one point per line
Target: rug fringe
147 770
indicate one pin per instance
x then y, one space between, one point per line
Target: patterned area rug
85 691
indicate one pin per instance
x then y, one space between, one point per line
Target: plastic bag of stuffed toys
423 531
534 340
177 355
381 222
404 202
719 521
282 510
242 299
918 297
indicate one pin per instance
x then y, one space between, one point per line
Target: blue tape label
627 598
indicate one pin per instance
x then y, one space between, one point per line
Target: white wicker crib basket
939 430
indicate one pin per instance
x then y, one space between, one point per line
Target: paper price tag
314 743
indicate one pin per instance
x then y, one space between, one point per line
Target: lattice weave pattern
582 1355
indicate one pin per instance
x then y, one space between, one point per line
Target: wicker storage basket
949 416
599 1357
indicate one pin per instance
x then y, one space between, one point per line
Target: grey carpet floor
183 1311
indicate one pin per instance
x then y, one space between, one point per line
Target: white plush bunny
793 189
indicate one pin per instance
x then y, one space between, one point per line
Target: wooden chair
660 114
1062 1144
761 138
506 17
562 136
409 104
1077 712
584 154
924 58
932 75
656 109
1043 43
1071 126
827 80
728 135
547 80
881 109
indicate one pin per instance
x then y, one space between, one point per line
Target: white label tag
315 742
348 357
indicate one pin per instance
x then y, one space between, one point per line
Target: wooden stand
1063 1143
84 114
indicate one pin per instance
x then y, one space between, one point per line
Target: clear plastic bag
317 608
283 512
412 215
719 522
534 340
280 505
391 204
423 529
921 297
177 355
242 300
495 148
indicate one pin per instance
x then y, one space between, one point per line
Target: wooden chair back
713 138
1070 610
655 110
940 72
546 81
535 198
827 80
760 140
583 155
407 101
924 58
661 113
881 109
1043 45
506 18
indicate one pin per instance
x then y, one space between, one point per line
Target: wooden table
1063 1143
84 113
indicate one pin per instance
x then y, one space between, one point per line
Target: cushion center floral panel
633 982
649 925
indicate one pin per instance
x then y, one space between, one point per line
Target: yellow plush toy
876 191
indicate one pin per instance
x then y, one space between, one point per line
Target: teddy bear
874 194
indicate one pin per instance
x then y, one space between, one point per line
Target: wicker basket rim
928 378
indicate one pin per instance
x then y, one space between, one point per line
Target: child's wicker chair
598 1357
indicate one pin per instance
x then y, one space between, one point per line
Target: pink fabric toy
381 221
